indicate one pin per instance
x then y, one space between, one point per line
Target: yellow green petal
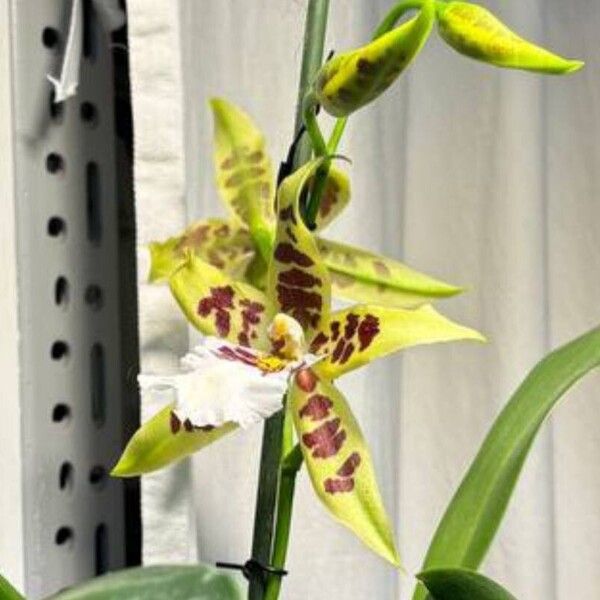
339 462
221 306
474 31
298 280
362 276
354 78
243 170
335 198
216 241
360 334
161 441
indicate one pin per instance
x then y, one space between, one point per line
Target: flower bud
352 79
474 31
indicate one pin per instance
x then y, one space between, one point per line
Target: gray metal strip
69 303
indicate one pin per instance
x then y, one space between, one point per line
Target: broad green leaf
243 169
363 276
474 31
354 78
362 333
298 280
161 441
476 510
175 582
7 591
216 241
218 305
462 584
335 198
339 462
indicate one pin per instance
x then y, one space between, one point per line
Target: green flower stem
395 14
285 504
270 482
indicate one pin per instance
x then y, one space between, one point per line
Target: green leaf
8 592
221 306
158 443
362 276
189 582
216 241
358 335
243 170
339 462
474 514
298 280
462 584
354 78
474 31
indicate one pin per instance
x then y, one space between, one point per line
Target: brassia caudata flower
234 245
282 348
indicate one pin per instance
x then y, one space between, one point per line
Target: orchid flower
282 348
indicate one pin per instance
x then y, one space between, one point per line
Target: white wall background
480 176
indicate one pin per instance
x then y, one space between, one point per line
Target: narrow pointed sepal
357 77
163 440
474 31
221 306
360 334
243 170
298 280
339 462
362 276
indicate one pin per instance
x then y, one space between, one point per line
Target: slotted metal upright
61 516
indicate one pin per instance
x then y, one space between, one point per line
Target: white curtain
482 177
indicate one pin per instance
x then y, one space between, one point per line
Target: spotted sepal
362 276
298 280
360 334
219 242
243 170
474 31
354 78
339 462
162 440
335 198
220 306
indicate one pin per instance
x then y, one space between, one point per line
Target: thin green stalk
271 454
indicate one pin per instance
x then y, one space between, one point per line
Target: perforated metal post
66 205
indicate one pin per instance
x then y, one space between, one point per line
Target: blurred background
481 177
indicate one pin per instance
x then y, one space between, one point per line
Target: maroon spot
365 67
228 163
317 408
222 322
205 428
287 214
328 200
255 157
175 423
367 330
306 380
335 330
277 346
250 317
286 253
381 268
351 325
291 235
325 441
318 342
304 306
348 350
297 277
333 486
239 354
350 465
187 425
243 338
338 350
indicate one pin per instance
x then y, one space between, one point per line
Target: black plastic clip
252 568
